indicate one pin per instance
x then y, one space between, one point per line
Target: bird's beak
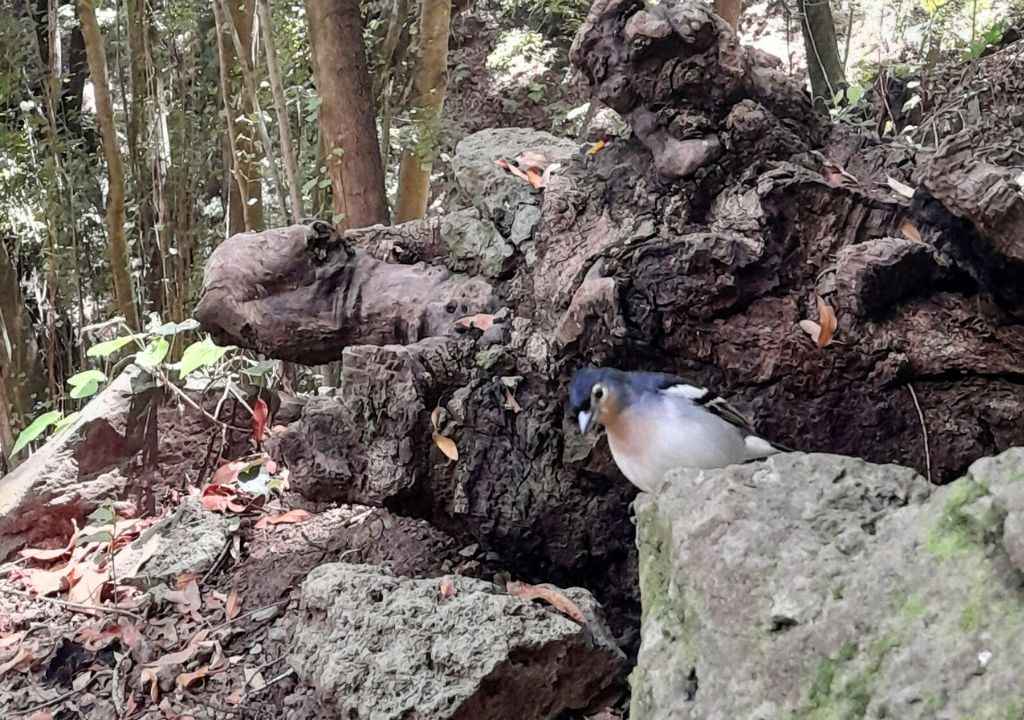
586 419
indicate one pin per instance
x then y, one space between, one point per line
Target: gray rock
474 245
818 586
383 647
497 194
187 541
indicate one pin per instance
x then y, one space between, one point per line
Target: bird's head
596 396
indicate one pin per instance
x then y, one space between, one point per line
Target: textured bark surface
347 114
696 247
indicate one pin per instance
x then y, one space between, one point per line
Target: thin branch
74 606
924 431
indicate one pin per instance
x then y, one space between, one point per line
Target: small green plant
151 351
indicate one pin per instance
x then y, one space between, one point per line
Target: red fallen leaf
228 472
271 466
558 601
910 231
218 497
41 715
292 516
232 606
481 321
535 178
181 656
260 413
446 588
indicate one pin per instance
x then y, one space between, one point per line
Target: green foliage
109 347
558 19
86 383
200 354
991 36
35 429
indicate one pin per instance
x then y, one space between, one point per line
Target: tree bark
347 113
251 93
730 11
429 85
241 214
281 108
117 243
824 64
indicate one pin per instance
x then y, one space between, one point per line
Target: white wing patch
759 446
690 392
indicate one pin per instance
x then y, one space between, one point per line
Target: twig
75 606
220 559
196 406
247 613
924 431
272 681
60 698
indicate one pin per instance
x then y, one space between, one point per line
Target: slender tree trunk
824 65
730 11
284 130
115 170
429 85
240 19
347 113
252 94
240 212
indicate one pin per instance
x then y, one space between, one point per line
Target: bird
656 422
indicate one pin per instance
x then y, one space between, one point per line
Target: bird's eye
598 392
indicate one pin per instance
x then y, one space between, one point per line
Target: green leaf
200 354
110 347
102 515
84 390
171 328
34 430
154 353
65 421
87 376
259 369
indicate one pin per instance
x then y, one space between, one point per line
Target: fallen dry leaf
185 680
480 321
181 656
253 678
512 168
597 147
446 589
47 554
41 715
447 446
21 660
9 641
532 160
149 677
811 328
44 582
187 599
910 231
292 516
233 605
435 417
511 403
899 188
260 413
228 472
554 598
535 178
88 582
221 498
827 320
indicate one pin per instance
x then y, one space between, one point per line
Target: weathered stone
818 586
388 648
187 541
498 194
474 245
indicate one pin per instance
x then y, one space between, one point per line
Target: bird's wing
703 397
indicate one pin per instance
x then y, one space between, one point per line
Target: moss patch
956 531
